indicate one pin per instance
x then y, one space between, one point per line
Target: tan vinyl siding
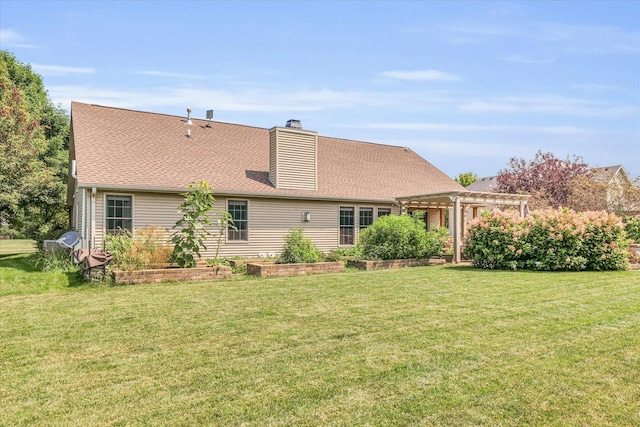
156 209
269 221
78 210
294 153
273 159
99 220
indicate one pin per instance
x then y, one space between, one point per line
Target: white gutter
231 193
84 218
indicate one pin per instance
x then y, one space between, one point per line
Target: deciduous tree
546 178
466 178
33 153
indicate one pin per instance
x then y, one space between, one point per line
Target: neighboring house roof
606 174
487 184
119 148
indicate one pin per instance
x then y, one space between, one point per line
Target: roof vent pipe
209 117
189 116
294 124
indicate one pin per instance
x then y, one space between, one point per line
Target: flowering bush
548 240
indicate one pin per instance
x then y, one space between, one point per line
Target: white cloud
170 74
567 38
597 87
523 59
421 75
449 127
457 149
11 38
247 100
61 70
282 98
548 104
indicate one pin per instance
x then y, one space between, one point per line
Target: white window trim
373 218
104 213
385 208
226 231
355 213
373 214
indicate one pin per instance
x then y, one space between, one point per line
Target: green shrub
399 237
632 227
298 248
55 259
119 245
339 254
145 250
547 240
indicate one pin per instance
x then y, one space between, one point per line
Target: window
384 212
346 225
119 214
239 212
366 217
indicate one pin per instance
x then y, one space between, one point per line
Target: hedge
548 240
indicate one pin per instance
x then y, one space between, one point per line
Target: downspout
84 218
92 242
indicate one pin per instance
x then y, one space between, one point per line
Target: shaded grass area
16 246
20 276
422 346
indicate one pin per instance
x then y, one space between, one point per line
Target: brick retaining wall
270 269
173 274
394 263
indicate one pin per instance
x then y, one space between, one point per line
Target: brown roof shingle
140 150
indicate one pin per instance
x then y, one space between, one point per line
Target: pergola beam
459 201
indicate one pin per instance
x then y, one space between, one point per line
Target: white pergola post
523 205
457 217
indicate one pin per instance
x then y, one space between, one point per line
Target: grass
422 346
19 276
16 246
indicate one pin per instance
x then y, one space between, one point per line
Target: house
128 170
486 184
619 189
613 190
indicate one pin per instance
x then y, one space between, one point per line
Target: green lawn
422 346
16 246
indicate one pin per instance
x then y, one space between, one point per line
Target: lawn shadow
26 263
21 261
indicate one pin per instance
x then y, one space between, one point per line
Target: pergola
459 202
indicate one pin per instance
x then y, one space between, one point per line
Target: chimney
294 124
293 157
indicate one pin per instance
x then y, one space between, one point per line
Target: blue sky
467 85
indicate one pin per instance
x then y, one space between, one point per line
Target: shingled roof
124 149
605 173
486 184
